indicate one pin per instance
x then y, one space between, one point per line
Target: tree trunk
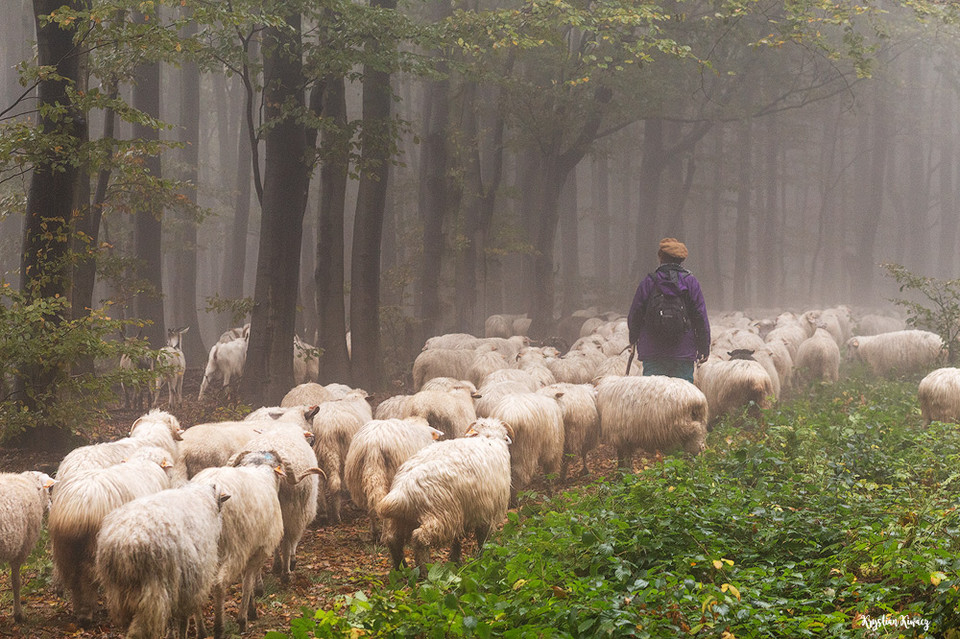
741 249
185 282
874 138
235 253
648 200
600 183
948 196
268 372
331 304
375 141
433 199
148 303
769 248
51 200
570 299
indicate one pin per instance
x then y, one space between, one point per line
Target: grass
837 516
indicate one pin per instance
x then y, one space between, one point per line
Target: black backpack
666 316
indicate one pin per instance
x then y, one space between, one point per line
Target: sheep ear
50 483
311 412
559 394
310 437
165 463
476 395
471 432
222 496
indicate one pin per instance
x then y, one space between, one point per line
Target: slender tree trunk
601 219
648 201
741 260
571 299
268 372
948 195
52 199
434 197
714 277
235 253
331 304
185 282
148 304
368 225
876 139
769 248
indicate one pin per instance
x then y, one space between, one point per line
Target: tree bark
52 199
331 303
185 281
570 298
148 303
375 141
268 372
600 183
741 249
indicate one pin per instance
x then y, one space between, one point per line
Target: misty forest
366 175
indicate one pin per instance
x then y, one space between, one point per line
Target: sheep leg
456 550
218 595
15 582
248 607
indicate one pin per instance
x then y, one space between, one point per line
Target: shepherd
669 329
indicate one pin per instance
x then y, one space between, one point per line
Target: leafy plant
937 311
837 514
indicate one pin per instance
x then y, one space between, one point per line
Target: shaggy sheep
298 502
392 407
157 558
873 324
485 362
503 325
225 361
735 339
306 363
576 367
939 395
79 506
510 375
308 394
617 366
171 358
334 426
828 320
24 498
156 428
449 411
732 384
581 421
491 394
897 352
252 526
442 362
209 445
450 341
791 335
818 358
655 413
537 422
779 354
446 490
376 452
339 391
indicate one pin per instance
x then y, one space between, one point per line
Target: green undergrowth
835 517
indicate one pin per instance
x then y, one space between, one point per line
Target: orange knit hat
672 248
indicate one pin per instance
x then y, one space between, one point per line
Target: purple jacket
672 280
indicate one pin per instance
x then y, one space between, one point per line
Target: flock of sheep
163 518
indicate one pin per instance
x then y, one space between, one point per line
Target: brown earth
332 560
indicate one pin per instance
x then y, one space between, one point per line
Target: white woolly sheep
450 340
157 559
307 394
791 335
874 324
252 525
617 366
897 352
654 413
537 422
235 333
511 375
441 362
171 358
779 354
939 395
392 407
735 339
376 452
79 506
485 362
825 319
339 391
306 364
298 502
576 366
818 358
24 498
730 385
491 394
581 421
446 490
225 361
156 428
449 411
334 426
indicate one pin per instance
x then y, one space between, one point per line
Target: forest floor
332 560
